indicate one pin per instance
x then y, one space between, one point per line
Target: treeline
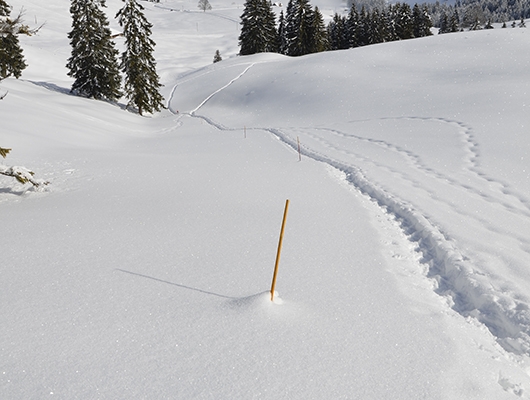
302 29
475 14
94 63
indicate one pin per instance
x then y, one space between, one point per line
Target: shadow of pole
176 284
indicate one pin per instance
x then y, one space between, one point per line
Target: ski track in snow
214 14
507 318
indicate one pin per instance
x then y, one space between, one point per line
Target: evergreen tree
258 28
11 58
389 33
298 28
217 57
204 5
338 35
137 62
421 22
444 24
5 10
376 30
352 26
282 40
403 21
363 28
93 63
454 21
320 34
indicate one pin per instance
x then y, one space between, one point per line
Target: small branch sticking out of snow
23 175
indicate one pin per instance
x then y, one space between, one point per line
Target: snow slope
143 270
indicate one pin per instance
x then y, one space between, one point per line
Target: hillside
143 270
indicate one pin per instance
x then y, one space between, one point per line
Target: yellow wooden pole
279 250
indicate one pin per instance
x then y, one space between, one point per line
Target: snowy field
143 270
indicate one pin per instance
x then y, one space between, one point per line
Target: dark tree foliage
217 57
421 22
93 62
12 61
338 33
352 27
142 83
11 58
473 14
299 28
301 31
403 21
377 25
319 32
5 10
204 5
282 40
258 28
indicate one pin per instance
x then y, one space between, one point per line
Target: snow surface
143 270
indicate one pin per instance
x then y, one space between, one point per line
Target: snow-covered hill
143 270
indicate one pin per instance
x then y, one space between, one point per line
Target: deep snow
143 270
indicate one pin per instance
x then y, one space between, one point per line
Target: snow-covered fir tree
142 83
258 28
93 62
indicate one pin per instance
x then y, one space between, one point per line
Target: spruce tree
387 27
93 63
11 58
298 28
320 34
444 24
5 10
377 30
352 27
137 62
282 40
363 28
258 28
421 22
454 22
204 5
217 57
403 21
338 33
